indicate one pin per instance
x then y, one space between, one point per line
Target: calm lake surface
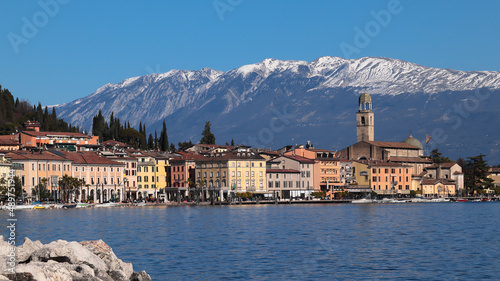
422 241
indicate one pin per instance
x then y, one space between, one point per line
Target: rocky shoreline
63 260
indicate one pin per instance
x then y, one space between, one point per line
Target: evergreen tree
208 137
172 147
164 138
437 157
151 143
476 174
232 142
156 141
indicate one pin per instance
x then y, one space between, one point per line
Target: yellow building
361 173
146 176
495 176
438 188
231 173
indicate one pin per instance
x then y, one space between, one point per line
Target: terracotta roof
36 155
8 140
68 134
115 143
188 156
282 171
89 158
388 144
436 181
410 159
299 159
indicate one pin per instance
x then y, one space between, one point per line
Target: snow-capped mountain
318 100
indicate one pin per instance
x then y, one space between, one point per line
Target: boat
363 201
435 200
462 200
82 205
39 207
106 205
69 206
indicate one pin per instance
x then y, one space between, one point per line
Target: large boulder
106 254
62 260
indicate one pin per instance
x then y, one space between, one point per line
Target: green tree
184 145
151 142
164 138
476 174
437 157
208 137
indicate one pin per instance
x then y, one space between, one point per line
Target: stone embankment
62 260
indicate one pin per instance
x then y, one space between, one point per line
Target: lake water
423 241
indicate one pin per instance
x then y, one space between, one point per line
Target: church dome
365 98
413 141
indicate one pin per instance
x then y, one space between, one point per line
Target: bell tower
365 119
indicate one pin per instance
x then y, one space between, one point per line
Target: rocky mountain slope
274 103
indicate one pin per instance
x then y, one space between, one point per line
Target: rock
140 276
103 251
26 249
23 276
66 261
69 252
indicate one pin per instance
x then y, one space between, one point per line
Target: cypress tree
208 137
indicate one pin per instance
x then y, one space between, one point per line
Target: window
32 167
247 173
393 171
205 174
277 184
260 164
253 164
199 174
253 173
260 174
146 178
284 184
374 171
239 174
211 174
139 169
139 179
374 179
218 174
224 173
238 164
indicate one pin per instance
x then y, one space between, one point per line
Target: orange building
327 170
40 167
9 142
56 139
182 171
390 178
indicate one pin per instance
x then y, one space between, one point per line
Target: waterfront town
76 167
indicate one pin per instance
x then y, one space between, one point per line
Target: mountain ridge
320 93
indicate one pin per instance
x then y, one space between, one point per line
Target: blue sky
55 51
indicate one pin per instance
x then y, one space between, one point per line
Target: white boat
435 200
363 201
106 205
